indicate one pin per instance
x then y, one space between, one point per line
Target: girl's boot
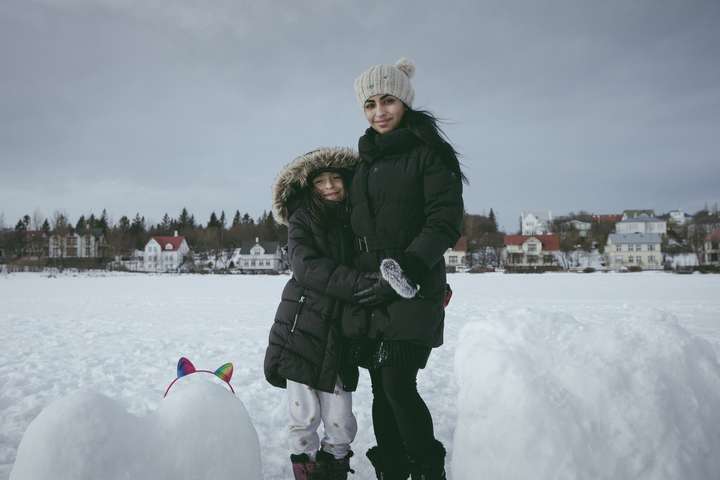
304 468
331 468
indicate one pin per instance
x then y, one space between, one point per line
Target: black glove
377 293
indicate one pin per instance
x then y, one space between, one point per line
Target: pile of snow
200 430
548 395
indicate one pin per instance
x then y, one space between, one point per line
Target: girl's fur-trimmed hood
293 178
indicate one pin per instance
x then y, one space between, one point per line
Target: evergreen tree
46 227
236 219
223 220
213 223
124 224
103 223
166 225
247 219
138 225
184 220
81 225
493 220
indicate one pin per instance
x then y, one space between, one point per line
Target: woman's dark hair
425 126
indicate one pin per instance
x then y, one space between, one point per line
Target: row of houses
172 254
636 242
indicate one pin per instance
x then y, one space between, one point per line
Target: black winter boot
331 468
432 465
303 467
388 467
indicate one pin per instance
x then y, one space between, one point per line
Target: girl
305 349
407 206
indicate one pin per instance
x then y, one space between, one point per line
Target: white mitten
392 273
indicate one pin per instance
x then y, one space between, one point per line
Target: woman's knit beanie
387 79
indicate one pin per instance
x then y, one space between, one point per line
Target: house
711 249
531 250
457 256
678 217
634 250
583 228
641 224
165 254
259 257
607 218
535 223
75 245
629 214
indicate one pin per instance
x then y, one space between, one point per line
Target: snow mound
548 395
200 430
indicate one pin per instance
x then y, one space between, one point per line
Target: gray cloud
155 105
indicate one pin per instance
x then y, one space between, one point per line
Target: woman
305 349
407 205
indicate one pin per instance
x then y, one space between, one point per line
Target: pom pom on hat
387 79
406 66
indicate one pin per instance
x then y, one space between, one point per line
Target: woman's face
330 186
384 112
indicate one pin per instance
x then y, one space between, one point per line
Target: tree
104 222
2 221
81 224
45 227
37 220
166 224
213 223
236 219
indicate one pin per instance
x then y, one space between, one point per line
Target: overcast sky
150 106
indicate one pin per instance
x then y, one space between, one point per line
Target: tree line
30 235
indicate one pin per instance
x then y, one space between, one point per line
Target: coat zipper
301 301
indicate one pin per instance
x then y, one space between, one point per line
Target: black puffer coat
405 201
305 345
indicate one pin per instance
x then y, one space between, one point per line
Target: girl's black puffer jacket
305 343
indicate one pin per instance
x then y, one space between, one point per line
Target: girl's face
330 186
384 112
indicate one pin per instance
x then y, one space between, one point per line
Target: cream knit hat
387 79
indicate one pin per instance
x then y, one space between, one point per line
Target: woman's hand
373 290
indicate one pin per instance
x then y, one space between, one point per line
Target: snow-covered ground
540 358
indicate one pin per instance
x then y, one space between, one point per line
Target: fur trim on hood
293 178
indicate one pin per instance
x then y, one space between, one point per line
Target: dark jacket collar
373 145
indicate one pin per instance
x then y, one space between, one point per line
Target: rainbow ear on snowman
225 372
185 367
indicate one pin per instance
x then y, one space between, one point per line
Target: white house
634 250
531 250
711 249
457 256
74 245
165 254
679 217
259 257
641 224
535 223
583 228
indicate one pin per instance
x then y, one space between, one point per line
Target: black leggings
402 421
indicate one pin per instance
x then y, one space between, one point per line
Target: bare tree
37 220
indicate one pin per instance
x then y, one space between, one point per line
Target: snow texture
200 430
629 396
392 273
572 373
